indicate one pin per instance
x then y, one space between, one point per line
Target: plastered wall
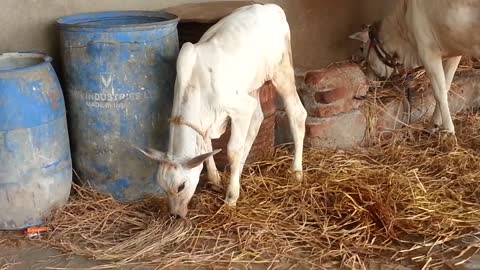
320 28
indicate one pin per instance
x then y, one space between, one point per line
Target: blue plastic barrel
119 75
35 162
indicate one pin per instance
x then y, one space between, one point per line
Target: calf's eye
181 187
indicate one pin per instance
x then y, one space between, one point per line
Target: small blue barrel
119 75
35 162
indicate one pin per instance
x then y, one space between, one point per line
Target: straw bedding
7 263
417 198
414 199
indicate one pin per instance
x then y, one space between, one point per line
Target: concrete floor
17 253
34 258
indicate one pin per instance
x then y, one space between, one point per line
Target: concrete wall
320 28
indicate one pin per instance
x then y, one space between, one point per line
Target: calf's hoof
214 178
215 187
231 200
232 203
299 175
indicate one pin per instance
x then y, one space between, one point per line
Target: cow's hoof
448 140
435 129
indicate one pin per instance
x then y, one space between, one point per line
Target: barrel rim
46 60
74 22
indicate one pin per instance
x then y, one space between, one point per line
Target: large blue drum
119 74
35 162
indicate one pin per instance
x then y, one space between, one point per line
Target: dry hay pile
415 199
412 88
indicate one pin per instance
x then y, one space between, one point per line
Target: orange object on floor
35 230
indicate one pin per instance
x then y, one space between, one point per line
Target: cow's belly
456 46
459 29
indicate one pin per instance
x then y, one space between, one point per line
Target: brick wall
339 117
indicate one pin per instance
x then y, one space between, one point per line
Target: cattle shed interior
380 190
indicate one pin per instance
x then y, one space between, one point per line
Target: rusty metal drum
35 161
119 74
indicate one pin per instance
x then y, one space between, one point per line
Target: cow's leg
284 81
213 175
255 123
432 62
449 67
240 124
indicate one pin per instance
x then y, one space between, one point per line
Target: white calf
217 79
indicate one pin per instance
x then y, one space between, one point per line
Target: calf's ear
152 153
196 161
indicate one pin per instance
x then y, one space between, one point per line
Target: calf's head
178 177
376 68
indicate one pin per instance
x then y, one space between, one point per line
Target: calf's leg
284 81
213 175
255 123
240 128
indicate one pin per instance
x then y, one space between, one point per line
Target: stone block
341 131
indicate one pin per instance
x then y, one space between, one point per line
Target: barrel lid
17 61
117 20
30 93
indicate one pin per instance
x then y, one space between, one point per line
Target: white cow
422 33
217 79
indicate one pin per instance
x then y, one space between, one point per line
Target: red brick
333 90
331 95
268 95
260 148
332 109
341 131
282 129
